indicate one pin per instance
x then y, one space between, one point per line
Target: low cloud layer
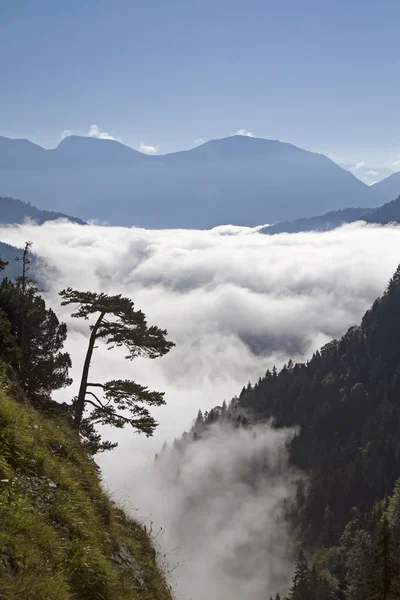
235 302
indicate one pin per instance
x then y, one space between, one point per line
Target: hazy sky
318 73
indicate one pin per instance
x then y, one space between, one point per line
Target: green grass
59 543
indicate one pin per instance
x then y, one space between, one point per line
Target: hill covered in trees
387 213
345 400
13 211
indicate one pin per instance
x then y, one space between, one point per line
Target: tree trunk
80 403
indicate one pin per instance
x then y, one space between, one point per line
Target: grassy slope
61 537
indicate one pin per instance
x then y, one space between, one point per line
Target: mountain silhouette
387 213
388 187
237 180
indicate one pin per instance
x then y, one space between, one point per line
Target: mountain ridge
230 144
387 213
237 180
14 211
389 187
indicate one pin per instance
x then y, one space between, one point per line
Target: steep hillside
61 538
345 400
238 180
389 187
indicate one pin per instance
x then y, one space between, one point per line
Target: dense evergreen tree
9 351
39 362
394 514
117 324
358 563
8 344
301 588
384 575
41 365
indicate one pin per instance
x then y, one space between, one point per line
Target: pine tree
199 420
394 513
327 537
358 561
384 577
117 324
9 351
40 364
301 587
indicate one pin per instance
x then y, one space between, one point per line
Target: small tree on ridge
117 324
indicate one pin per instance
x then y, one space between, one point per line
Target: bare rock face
41 490
124 558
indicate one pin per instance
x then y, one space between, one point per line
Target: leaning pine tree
119 402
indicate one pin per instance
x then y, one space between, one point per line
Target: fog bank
219 502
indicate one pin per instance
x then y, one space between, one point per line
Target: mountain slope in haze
387 213
73 151
389 187
237 180
13 211
325 222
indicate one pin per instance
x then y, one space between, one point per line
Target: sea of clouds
235 302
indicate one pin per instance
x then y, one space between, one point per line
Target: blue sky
164 73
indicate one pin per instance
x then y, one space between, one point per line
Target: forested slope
14 211
346 400
387 213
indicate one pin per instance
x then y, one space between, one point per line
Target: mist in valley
235 302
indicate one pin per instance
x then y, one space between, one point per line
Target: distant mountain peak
239 180
85 140
235 147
